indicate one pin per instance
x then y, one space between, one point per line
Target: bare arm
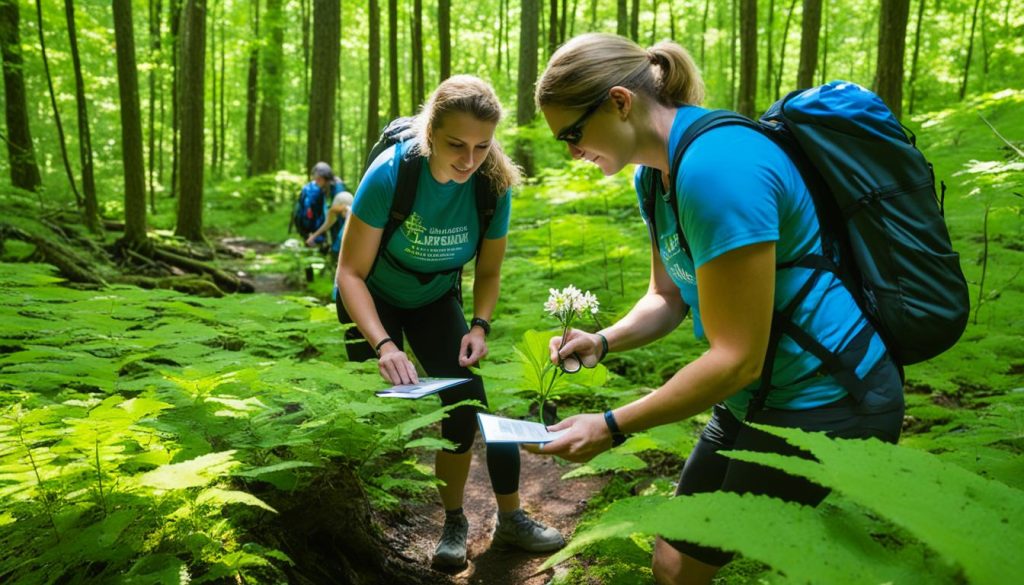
358 251
333 213
486 285
736 298
655 315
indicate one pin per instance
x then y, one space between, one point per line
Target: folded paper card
496 429
425 387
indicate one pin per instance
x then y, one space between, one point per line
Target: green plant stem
99 479
47 505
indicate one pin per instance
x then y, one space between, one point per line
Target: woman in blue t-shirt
411 288
748 220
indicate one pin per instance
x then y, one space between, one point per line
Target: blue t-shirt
440 234
313 192
736 188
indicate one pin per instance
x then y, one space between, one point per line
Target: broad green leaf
192 473
217 496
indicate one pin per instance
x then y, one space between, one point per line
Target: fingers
396 368
472 350
562 425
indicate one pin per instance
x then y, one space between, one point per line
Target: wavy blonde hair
472 95
583 70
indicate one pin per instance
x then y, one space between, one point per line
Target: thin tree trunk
393 57
131 127
970 50
528 40
211 42
704 34
20 152
552 27
418 89
824 47
53 103
782 51
502 17
748 58
155 9
892 33
444 20
320 124
193 76
175 90
304 12
268 138
622 18
809 36
634 21
223 74
84 139
252 92
733 70
769 69
373 96
913 61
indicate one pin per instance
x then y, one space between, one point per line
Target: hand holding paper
496 429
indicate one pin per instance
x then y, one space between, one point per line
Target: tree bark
634 22
824 46
525 109
20 152
154 73
418 89
211 42
326 56
809 35
53 102
704 34
131 127
268 138
373 95
552 26
622 18
84 138
252 92
892 33
748 57
913 61
782 50
769 69
393 58
175 91
970 50
193 65
444 23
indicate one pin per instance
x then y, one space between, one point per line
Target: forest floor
556 502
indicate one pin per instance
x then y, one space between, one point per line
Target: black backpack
882 225
400 130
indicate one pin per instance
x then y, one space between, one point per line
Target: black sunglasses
573 133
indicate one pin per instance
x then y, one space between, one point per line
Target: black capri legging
879 415
435 333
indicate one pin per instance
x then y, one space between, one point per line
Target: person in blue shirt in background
409 291
324 186
748 217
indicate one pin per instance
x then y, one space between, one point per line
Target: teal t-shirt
441 232
736 188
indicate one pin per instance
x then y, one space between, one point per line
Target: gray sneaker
451 550
520 531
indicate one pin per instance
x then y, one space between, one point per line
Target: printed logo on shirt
433 244
670 250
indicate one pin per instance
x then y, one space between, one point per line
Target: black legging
435 333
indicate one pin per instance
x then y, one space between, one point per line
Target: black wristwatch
482 323
617 437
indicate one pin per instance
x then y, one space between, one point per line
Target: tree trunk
970 50
131 128
913 61
444 24
393 57
634 22
53 103
704 34
193 64
373 95
622 18
769 69
892 34
782 51
223 74
304 19
748 58
20 152
84 139
211 41
552 27
733 70
252 92
824 46
418 90
268 138
809 35
175 90
320 125
525 109
155 9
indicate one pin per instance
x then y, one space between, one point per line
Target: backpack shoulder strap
486 206
401 205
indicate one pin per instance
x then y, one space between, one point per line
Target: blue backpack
882 226
308 212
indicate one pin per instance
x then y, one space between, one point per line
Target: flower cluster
569 302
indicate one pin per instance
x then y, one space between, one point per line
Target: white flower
570 302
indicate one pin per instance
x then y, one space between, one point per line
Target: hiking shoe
451 550
518 530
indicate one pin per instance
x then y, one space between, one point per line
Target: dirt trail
544 495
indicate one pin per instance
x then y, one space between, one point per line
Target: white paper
496 429
426 387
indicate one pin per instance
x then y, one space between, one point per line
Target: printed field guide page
496 429
426 387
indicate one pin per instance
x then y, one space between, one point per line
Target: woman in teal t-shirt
411 288
744 210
